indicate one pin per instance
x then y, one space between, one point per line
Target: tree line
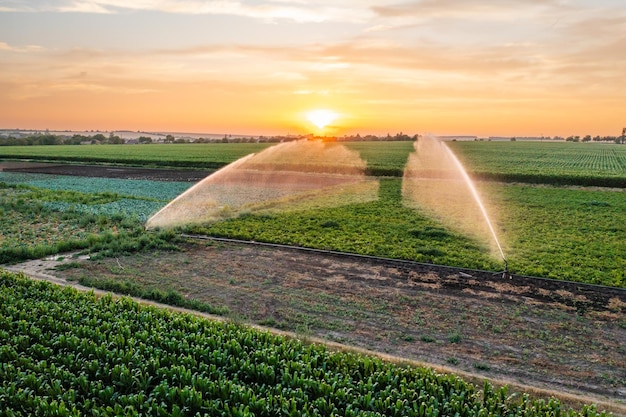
111 139
51 139
99 138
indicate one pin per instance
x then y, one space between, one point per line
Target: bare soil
105 171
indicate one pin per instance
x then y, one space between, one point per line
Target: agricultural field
590 164
557 233
534 162
387 160
179 155
132 198
569 233
54 218
562 233
532 333
72 353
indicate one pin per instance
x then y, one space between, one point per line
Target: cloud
19 49
84 7
28 5
459 8
298 11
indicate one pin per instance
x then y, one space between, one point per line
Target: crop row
142 189
546 163
66 353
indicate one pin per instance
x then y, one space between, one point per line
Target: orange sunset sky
447 67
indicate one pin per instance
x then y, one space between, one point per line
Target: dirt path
105 171
554 338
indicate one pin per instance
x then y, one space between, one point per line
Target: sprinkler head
505 273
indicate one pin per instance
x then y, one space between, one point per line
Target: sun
321 117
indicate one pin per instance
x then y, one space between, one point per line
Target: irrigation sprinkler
505 273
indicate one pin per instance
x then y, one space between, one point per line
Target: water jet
436 183
288 176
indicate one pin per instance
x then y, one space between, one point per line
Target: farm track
105 171
580 296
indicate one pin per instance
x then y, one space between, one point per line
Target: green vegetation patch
383 158
381 228
36 223
576 235
588 164
559 233
67 353
170 297
163 191
213 155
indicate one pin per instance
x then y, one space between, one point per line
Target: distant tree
13 141
75 140
115 140
99 137
169 139
48 139
144 139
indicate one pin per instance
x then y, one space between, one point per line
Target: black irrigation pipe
503 275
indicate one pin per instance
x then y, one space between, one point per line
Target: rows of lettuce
66 353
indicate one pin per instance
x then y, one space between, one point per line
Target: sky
443 67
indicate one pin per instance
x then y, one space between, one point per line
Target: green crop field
546 163
576 235
534 162
37 221
66 353
181 155
573 234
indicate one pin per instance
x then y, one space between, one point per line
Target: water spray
483 210
288 176
477 199
435 180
